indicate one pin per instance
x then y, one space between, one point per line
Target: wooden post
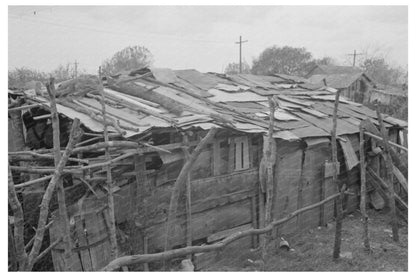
261 208
254 224
173 206
74 136
363 200
136 204
188 198
389 167
338 202
322 217
110 197
18 237
140 207
13 263
17 130
60 188
300 190
269 179
376 134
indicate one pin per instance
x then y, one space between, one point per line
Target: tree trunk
60 188
74 136
180 181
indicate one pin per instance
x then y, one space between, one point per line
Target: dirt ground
312 250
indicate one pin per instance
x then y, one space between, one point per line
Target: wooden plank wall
316 153
90 239
288 171
299 179
221 196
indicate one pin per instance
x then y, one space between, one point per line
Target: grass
313 250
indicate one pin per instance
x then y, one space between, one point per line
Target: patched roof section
337 69
141 101
337 81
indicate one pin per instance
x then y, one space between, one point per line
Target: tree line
272 60
298 61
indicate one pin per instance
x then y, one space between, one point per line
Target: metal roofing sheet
395 121
257 81
198 79
314 112
133 101
353 112
247 105
231 88
328 109
286 135
296 79
189 87
88 122
351 159
301 114
295 100
326 124
247 96
311 142
282 115
250 128
190 102
289 125
309 131
164 75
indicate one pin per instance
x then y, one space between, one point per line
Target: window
241 153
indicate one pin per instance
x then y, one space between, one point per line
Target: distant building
332 69
352 82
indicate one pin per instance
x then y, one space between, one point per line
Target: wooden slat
82 241
96 233
231 156
204 224
217 157
400 177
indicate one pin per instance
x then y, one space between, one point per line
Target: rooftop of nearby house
333 69
339 81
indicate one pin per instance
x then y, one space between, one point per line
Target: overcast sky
200 37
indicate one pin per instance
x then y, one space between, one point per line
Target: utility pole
355 55
241 43
76 69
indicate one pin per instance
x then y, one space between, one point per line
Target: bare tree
234 68
132 57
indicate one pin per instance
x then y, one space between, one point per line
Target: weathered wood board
316 154
90 241
287 178
204 224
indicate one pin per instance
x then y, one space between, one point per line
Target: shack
353 84
156 119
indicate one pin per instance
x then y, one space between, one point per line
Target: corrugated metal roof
234 101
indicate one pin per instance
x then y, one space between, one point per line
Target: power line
33 11
17 17
241 43
355 54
